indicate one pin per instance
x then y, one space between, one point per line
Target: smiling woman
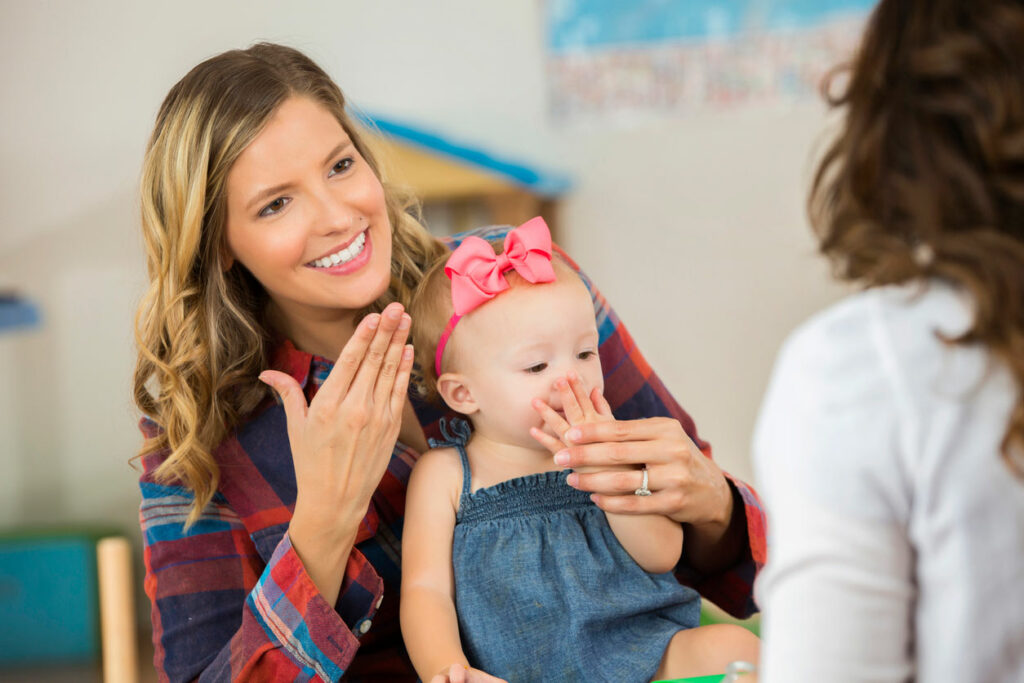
278 256
319 239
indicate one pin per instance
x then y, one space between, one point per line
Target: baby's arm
655 542
429 624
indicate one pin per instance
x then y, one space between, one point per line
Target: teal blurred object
49 606
16 313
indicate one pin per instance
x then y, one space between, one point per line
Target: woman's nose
335 215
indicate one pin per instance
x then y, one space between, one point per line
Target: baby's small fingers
579 393
551 417
600 404
574 412
546 440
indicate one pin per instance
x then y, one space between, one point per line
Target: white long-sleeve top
896 531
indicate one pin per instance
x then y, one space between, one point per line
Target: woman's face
307 216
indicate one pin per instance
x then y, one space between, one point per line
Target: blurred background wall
691 223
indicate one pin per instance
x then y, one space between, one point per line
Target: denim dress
545 592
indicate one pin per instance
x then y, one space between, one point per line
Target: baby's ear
453 389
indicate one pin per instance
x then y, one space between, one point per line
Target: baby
506 568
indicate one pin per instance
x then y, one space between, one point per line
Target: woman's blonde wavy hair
201 331
926 178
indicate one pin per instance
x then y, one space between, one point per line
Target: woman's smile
347 258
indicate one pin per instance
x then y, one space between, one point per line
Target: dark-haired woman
890 444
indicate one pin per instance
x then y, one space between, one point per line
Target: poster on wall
610 61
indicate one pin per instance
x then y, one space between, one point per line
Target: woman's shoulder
901 324
852 388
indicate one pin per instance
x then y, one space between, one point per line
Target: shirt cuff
296 616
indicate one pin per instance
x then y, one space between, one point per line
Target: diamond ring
643 490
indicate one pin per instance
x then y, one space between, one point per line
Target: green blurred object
698 679
712 614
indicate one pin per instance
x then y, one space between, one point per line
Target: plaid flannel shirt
230 597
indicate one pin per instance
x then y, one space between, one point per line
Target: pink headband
477 273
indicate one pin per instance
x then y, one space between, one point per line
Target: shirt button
379 600
364 626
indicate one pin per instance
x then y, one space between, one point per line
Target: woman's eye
342 165
274 206
538 368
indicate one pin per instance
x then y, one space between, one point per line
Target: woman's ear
227 259
456 393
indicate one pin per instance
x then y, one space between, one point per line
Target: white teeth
344 255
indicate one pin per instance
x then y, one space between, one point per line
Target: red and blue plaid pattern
230 597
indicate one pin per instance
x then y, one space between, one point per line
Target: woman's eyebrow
263 194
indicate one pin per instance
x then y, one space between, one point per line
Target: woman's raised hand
342 441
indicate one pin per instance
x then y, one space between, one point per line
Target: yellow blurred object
117 610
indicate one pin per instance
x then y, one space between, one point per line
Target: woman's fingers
383 338
627 430
613 482
391 363
292 399
658 503
614 453
340 378
400 388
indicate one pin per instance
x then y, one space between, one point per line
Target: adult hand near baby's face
685 485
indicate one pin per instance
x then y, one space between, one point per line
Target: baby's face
513 348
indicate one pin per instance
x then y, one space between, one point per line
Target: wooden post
117 611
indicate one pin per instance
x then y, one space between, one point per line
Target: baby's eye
342 165
538 368
274 206
585 355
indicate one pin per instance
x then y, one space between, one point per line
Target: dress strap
456 433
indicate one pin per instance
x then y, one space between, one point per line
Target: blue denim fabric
545 592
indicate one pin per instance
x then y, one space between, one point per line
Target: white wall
718 196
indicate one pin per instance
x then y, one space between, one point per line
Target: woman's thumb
290 393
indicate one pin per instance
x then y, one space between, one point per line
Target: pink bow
477 273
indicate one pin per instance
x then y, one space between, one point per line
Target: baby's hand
578 406
460 673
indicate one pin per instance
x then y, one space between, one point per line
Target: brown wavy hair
926 177
201 331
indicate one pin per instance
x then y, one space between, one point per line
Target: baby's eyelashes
538 368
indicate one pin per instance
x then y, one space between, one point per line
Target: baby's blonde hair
431 308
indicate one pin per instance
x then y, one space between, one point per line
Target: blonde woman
272 520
